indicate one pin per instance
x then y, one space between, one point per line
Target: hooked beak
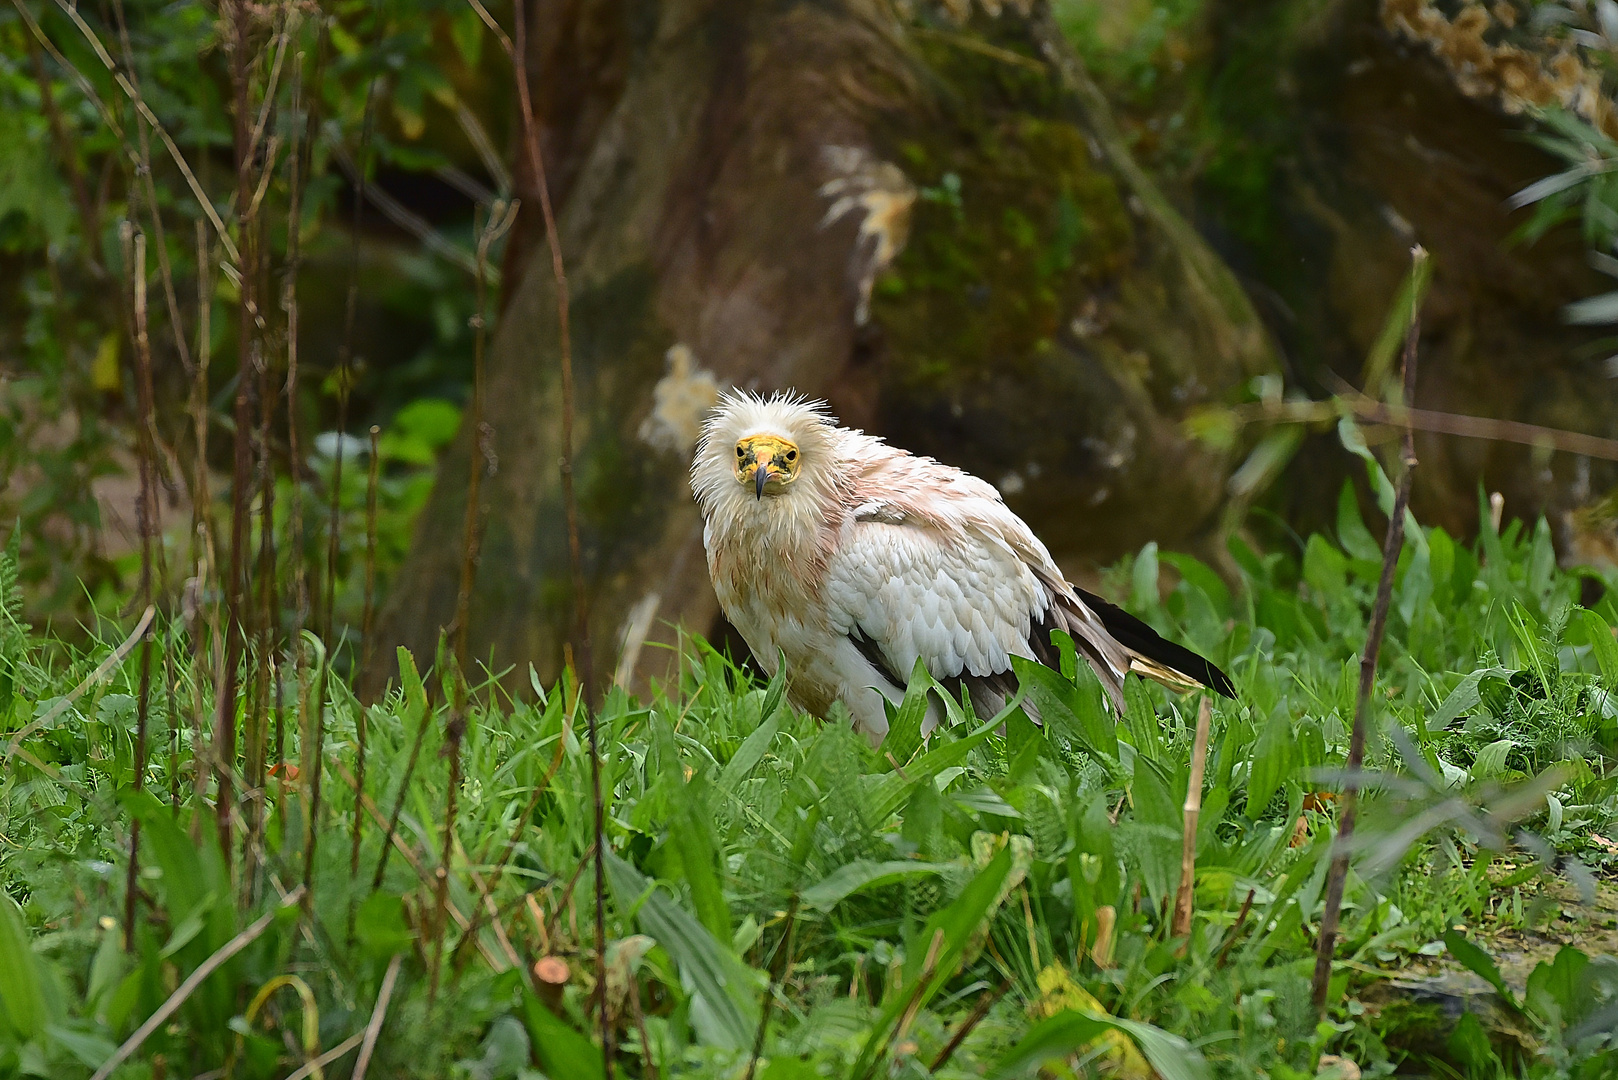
764 470
765 459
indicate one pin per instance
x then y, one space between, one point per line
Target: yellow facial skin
766 463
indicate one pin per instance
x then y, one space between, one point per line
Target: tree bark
928 220
1347 140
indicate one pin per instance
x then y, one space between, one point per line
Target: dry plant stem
189 986
979 1011
410 857
345 358
783 969
146 518
360 719
511 842
313 768
317 1065
289 304
455 730
378 1014
536 163
639 1014
1193 810
1393 543
368 619
89 222
1369 411
150 188
113 659
398 802
474 457
197 406
1236 929
567 894
146 113
929 966
268 622
241 477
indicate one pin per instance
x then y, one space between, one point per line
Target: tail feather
1153 655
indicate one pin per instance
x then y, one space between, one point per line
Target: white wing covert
964 604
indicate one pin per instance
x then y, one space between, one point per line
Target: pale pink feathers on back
874 558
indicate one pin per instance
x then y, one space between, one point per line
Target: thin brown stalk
378 1014
985 1002
398 802
89 222
204 615
313 730
1236 930
241 477
268 621
149 186
197 402
65 702
189 986
517 827
289 309
146 510
345 371
567 893
783 970
1382 414
296 178
1392 544
454 731
470 531
314 1066
460 920
170 677
639 1014
145 112
360 724
929 965
108 117
1193 810
367 621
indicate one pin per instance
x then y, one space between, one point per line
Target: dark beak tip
759 478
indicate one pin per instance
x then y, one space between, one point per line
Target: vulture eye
792 455
740 452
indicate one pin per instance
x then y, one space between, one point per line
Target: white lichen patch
961 10
680 401
883 196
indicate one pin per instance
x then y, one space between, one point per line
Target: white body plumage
850 560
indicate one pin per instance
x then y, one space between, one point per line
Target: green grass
904 890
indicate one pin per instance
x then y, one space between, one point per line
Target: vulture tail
1155 656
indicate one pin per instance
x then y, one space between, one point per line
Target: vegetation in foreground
782 901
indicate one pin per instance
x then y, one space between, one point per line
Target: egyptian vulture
848 559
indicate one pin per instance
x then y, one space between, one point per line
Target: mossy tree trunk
1336 140
923 215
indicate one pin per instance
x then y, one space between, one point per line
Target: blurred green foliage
394 91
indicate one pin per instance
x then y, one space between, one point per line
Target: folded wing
932 565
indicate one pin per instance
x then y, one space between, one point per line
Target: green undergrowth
773 881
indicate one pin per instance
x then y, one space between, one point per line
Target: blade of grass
378 1014
192 981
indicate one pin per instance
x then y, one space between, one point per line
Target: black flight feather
1137 637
